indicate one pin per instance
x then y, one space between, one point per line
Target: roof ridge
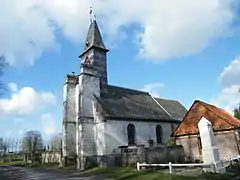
159 104
167 99
115 86
219 115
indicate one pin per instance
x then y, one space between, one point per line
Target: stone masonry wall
190 145
157 155
51 157
226 142
69 120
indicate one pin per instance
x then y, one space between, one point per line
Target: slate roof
174 108
123 103
94 38
220 119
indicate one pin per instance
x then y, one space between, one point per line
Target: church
98 117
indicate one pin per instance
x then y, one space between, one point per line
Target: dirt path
26 173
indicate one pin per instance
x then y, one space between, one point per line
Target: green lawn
124 173
13 163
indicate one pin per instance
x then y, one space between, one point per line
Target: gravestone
210 151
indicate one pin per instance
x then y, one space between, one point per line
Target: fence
170 165
232 159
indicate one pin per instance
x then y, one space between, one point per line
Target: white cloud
49 126
25 101
229 97
169 28
231 73
153 89
13 87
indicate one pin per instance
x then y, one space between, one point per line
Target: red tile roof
220 119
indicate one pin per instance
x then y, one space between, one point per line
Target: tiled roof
174 108
128 104
220 119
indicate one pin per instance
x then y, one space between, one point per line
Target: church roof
94 38
219 118
174 108
129 104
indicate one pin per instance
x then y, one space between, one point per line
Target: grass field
124 173
128 173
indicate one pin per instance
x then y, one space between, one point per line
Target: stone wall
166 154
226 142
191 147
51 157
69 118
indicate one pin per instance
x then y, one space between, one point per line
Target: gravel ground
26 173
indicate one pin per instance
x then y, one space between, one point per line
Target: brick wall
191 147
226 142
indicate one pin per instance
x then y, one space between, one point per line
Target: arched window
159 134
131 134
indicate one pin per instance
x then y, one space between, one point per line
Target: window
159 134
131 134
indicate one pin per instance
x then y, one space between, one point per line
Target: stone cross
210 151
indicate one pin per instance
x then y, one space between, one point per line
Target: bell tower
95 53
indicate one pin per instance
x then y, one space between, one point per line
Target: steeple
94 39
94 54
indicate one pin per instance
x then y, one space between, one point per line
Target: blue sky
183 53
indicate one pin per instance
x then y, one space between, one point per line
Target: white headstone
210 151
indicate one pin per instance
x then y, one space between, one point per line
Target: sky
181 50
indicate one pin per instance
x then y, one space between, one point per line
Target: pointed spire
94 38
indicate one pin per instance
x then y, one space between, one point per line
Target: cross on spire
90 14
92 17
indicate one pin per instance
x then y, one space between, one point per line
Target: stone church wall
69 119
116 133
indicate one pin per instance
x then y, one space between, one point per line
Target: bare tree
4 147
56 142
32 145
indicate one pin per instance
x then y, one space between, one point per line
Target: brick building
225 127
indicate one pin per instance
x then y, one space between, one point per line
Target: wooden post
138 167
170 168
